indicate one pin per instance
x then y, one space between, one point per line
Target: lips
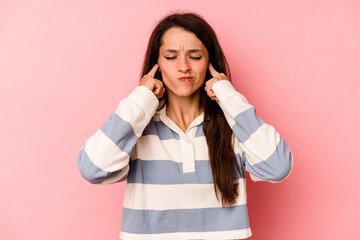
185 79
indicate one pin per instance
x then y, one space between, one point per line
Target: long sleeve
265 154
105 156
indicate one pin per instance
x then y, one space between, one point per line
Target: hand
155 85
209 83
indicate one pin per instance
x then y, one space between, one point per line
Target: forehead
177 38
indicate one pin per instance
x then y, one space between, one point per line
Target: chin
185 93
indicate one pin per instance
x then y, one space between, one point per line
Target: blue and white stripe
170 192
176 196
105 156
266 155
185 220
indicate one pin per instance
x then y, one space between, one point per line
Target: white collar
171 124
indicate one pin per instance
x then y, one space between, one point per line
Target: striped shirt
169 192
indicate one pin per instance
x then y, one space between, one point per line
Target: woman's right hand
155 85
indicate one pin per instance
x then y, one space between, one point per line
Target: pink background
65 65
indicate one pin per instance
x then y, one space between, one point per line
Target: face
183 61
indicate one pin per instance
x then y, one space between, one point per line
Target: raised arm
104 158
265 154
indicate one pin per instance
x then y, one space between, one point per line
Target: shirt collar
167 121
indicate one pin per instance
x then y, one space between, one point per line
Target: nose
183 64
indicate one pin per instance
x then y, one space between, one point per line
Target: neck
183 110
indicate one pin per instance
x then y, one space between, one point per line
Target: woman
182 140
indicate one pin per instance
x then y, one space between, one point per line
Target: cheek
164 66
168 72
165 74
202 68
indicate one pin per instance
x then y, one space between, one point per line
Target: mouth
185 79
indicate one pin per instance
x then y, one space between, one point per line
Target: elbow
283 160
283 169
96 175
88 169
274 169
89 177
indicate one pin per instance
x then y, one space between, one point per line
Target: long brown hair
217 131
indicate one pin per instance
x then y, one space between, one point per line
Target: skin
182 54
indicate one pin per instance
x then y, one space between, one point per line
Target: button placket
187 146
188 155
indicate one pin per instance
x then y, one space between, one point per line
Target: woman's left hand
209 83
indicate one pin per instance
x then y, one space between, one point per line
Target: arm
104 158
264 152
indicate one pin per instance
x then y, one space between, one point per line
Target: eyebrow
190 50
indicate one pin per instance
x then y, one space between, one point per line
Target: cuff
144 99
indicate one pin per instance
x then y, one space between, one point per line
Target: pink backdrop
64 66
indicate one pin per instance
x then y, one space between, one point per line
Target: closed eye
196 58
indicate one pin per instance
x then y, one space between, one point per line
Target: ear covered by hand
155 85
209 83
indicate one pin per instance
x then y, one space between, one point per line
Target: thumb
158 88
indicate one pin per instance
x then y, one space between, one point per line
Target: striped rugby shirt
169 192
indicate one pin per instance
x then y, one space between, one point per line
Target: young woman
182 140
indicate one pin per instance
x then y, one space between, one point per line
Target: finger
213 97
211 94
212 70
222 76
158 88
161 93
207 91
153 70
157 91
